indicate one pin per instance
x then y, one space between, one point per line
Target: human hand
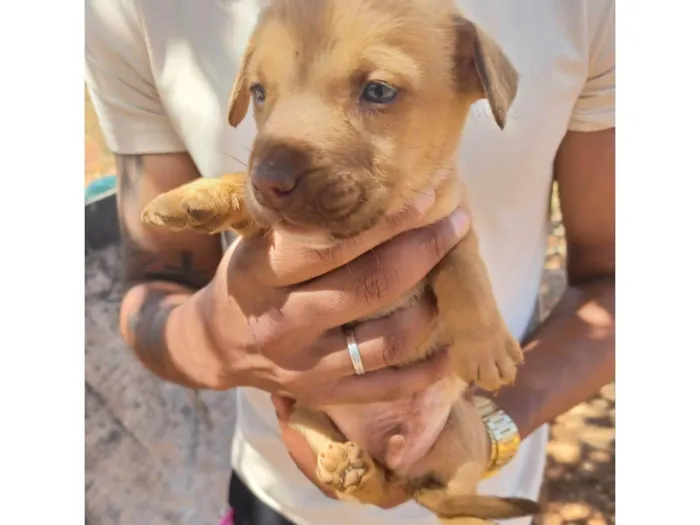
474 437
306 460
274 310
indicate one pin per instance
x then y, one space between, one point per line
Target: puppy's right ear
239 99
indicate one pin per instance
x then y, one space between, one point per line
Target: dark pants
249 510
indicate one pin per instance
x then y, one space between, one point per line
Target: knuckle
435 243
277 329
288 381
393 346
398 337
376 281
267 339
439 239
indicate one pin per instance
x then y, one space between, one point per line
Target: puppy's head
359 104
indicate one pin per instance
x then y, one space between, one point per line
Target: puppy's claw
491 365
151 217
159 213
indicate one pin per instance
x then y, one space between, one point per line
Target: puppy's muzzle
277 172
294 181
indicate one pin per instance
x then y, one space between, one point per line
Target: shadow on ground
150 458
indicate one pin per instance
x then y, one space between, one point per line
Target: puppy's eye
378 93
258 93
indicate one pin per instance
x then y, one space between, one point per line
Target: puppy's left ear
239 100
481 65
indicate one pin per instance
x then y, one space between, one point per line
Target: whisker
234 158
419 192
349 263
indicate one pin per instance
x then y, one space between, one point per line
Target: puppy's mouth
313 217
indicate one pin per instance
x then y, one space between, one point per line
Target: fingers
382 342
387 384
277 262
304 458
296 445
283 409
376 279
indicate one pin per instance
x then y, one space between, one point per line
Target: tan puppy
359 105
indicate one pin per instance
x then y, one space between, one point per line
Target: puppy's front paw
491 364
344 467
205 205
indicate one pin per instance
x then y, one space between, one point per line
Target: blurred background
153 458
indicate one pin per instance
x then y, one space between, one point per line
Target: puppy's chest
448 196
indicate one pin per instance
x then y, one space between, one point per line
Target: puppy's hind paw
344 467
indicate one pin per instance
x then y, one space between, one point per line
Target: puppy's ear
240 96
478 57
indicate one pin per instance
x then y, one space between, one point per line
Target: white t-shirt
160 72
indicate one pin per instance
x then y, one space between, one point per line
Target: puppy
359 105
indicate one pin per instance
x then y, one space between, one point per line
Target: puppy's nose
274 184
276 174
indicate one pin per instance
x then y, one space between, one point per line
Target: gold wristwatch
504 435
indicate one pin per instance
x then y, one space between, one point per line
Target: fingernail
424 201
460 222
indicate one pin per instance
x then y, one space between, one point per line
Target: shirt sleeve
595 107
120 81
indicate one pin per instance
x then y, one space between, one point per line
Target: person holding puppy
265 317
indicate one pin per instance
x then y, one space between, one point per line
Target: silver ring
354 351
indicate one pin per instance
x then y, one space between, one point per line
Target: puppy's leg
481 345
465 521
341 465
453 466
204 205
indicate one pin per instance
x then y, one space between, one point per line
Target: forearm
161 311
162 323
567 359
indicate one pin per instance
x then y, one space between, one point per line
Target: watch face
502 431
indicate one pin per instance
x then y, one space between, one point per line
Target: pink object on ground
227 519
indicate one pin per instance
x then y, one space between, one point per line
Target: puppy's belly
419 419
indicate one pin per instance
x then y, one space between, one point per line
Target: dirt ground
580 476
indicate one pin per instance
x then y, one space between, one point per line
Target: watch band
504 434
